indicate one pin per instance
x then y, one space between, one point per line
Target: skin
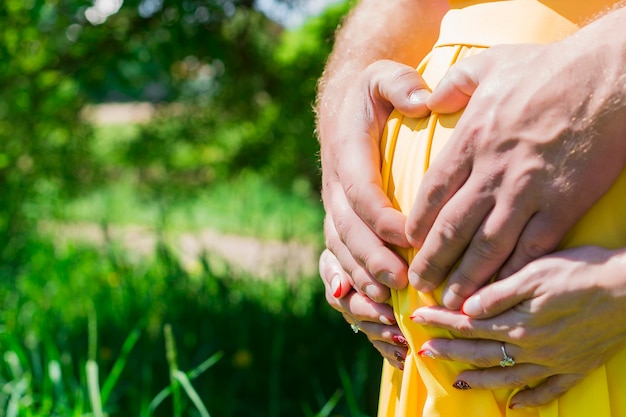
523 164
508 224
542 314
371 49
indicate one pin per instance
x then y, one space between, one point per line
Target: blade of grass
191 393
346 382
94 388
120 364
170 351
330 404
191 375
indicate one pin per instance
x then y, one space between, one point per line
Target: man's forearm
399 30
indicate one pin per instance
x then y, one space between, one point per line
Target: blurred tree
257 116
243 87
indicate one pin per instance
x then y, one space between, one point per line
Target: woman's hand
559 318
376 320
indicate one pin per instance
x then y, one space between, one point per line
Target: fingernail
386 320
418 96
425 353
386 278
335 285
451 300
413 278
516 406
399 357
472 306
462 385
399 339
371 291
417 318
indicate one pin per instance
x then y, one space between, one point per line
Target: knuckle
464 330
435 194
487 247
514 380
534 248
449 232
481 359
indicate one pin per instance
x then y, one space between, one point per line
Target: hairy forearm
600 49
399 30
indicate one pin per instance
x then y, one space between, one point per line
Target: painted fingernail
472 306
425 353
462 385
399 339
417 318
516 406
335 285
387 320
399 357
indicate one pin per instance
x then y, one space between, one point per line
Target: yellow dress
424 388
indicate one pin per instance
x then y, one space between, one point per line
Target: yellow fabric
424 388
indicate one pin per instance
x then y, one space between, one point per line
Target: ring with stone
506 359
355 327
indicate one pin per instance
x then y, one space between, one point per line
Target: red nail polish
462 385
425 353
399 357
399 339
337 291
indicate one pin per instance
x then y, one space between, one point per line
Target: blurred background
159 212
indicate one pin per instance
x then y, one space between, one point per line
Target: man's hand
363 219
540 141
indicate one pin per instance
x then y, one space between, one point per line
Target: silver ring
355 327
506 359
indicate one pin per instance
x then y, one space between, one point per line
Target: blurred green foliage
234 93
233 88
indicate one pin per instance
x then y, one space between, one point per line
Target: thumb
402 86
455 89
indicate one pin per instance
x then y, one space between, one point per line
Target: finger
498 297
394 354
336 281
361 309
454 91
518 376
362 185
505 328
488 250
362 254
541 236
360 279
476 352
551 389
449 236
402 86
444 177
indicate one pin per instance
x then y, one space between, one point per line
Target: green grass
248 205
87 334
